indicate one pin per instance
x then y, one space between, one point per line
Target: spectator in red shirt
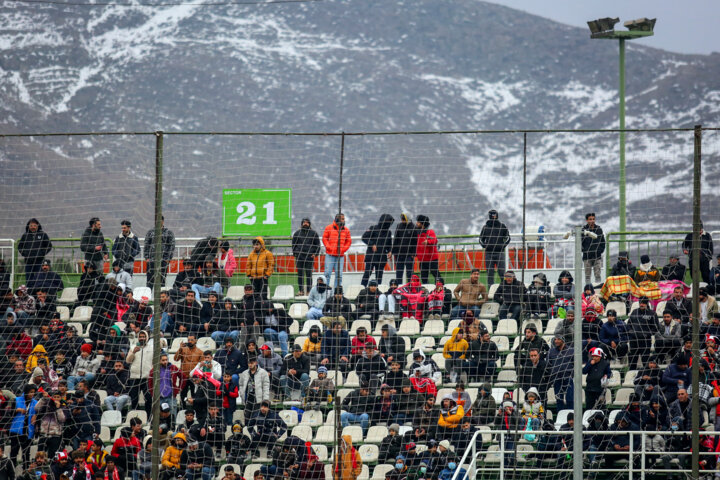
427 250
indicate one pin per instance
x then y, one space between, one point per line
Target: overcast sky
689 26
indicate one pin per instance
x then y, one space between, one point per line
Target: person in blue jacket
22 430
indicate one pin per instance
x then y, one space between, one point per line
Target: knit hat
37 372
394 427
508 404
322 370
423 220
445 444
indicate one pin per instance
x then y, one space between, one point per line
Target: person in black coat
305 245
673 270
706 253
46 280
597 371
90 280
642 325
403 248
33 245
92 244
511 295
207 247
494 237
379 241
592 248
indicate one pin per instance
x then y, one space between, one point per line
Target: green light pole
604 28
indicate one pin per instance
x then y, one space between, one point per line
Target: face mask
423 469
399 466
322 288
674 428
452 465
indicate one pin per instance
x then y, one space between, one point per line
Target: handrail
609 238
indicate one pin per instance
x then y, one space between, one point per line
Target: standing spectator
642 325
511 295
4 278
404 248
706 253
126 247
22 428
427 250
305 245
532 372
494 238
674 270
336 239
348 463
171 383
46 280
560 370
253 386
714 283
598 372
33 246
593 246
207 247
230 359
140 359
92 243
260 265
188 355
378 239
51 415
167 243
471 294
226 261
319 295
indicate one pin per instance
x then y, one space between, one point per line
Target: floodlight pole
622 206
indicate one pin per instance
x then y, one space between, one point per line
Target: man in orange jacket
337 241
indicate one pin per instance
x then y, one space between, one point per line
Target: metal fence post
631 451
577 365
695 400
502 455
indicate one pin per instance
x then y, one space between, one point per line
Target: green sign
257 212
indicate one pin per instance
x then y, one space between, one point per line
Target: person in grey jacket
253 386
120 275
565 328
668 339
126 247
319 294
271 362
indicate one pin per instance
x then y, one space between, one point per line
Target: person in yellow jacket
454 353
171 458
37 353
451 414
260 265
348 465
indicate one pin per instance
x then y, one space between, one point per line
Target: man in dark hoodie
305 245
593 246
391 345
92 244
378 239
494 237
33 246
404 247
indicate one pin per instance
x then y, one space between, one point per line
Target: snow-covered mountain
343 65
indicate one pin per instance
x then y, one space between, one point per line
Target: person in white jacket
120 275
208 365
140 357
317 298
254 386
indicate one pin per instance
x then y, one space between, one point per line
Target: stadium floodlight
605 28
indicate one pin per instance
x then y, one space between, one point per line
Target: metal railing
496 458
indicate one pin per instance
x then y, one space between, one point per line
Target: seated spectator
560 370
598 372
116 384
23 305
679 303
532 373
139 314
168 310
428 367
387 299
564 292
38 352
613 336
229 323
214 426
356 406
565 329
406 403
371 367
321 388
423 384
319 295
46 280
451 415
674 270
462 398
61 366
266 427
510 294
647 381
209 279
230 359
712 329
708 306
675 377
623 266
454 352
208 368
532 410
276 326
668 340
508 421
237 445
391 345
529 341
410 298
210 315
483 355
336 348
337 309
439 301
170 462
426 417
383 411
198 461
590 332
390 445
620 442
471 294
368 302
395 376
539 299
358 343
188 316
646 271
313 345
295 373
655 418
86 367
119 275
591 300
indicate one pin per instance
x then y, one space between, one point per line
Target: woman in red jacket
427 250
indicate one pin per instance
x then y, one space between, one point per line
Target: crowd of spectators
432 399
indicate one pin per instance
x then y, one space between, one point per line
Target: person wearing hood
404 248
623 266
92 244
318 297
23 305
427 250
207 247
406 402
348 463
593 248
484 407
620 442
706 253
428 367
140 359
371 367
260 266
378 239
167 245
391 345
33 246
368 302
411 297
494 238
642 325
37 353
451 414
400 470
171 457
646 271
598 372
564 292
311 468
198 461
511 294
126 247
539 297
119 275
305 245
335 349
336 239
